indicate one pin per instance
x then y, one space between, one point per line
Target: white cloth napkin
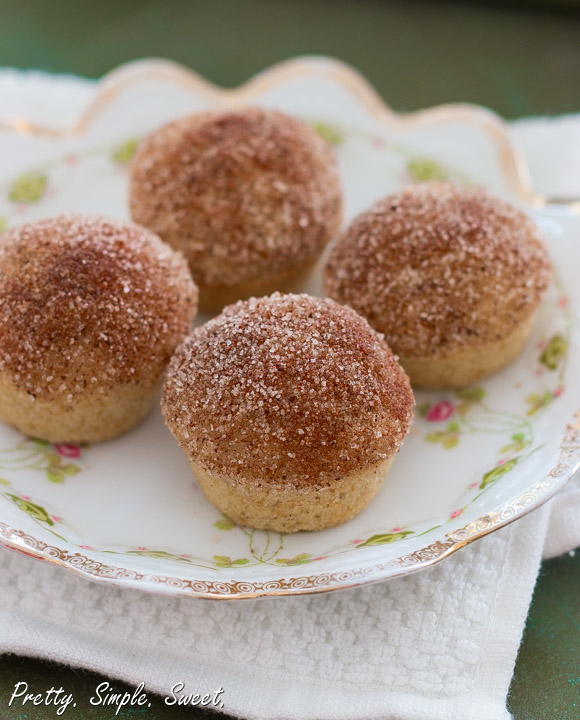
440 644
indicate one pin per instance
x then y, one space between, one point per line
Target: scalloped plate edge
511 161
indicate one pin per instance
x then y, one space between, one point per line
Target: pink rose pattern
68 451
440 411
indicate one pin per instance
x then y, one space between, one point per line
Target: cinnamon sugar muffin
90 312
251 197
290 409
452 276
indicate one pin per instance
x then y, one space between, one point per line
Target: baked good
290 409
451 275
250 197
91 310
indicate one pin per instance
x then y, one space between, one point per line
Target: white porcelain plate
130 511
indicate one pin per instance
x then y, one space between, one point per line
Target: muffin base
91 418
467 364
288 509
213 298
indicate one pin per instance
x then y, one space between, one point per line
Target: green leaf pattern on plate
473 393
225 561
300 559
158 555
554 352
28 187
493 475
424 169
224 523
468 398
332 134
518 442
125 152
385 538
538 401
37 512
35 454
449 438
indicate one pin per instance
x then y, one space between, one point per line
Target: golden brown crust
438 266
289 509
464 364
244 194
287 390
88 303
94 416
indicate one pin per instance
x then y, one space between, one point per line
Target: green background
517 60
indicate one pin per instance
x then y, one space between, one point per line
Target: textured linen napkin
440 644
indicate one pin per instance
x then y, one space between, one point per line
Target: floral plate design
130 512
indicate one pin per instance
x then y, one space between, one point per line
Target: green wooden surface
417 54
546 684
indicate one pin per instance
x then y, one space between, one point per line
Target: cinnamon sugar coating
289 390
88 303
244 194
438 266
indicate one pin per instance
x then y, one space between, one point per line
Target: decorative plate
130 512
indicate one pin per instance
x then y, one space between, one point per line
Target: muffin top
87 303
437 266
287 389
241 193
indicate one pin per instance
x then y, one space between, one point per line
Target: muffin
250 197
451 275
91 310
290 409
